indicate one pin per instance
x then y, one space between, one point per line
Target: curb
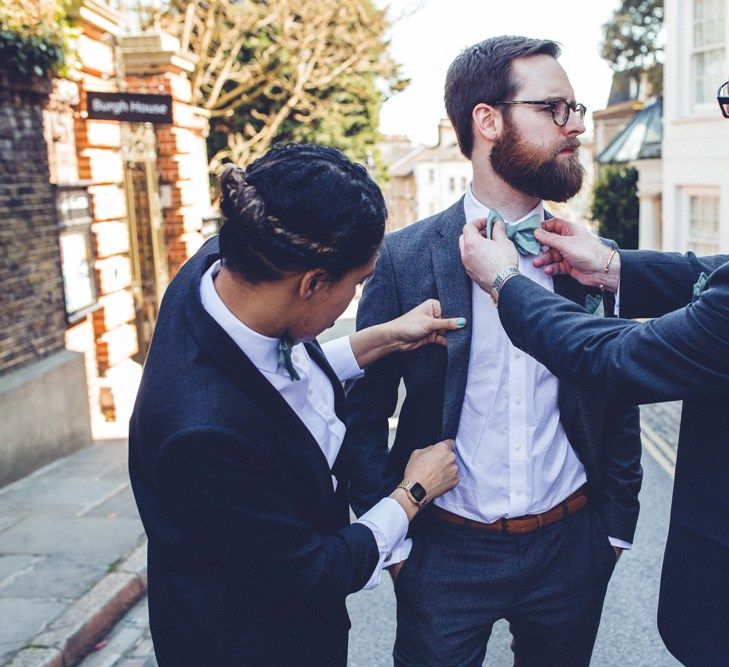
69 638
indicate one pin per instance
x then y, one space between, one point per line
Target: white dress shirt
312 399
513 455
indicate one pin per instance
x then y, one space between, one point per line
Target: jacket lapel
454 292
295 439
568 396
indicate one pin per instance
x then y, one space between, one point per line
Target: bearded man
549 474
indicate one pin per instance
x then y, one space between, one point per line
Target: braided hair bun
299 207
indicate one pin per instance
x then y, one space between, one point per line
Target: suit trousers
458 581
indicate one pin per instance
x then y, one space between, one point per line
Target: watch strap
407 485
500 281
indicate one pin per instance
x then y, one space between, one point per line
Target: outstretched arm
420 326
680 355
651 283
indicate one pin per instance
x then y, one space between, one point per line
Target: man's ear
310 282
487 121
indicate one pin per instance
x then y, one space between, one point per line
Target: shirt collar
475 209
261 350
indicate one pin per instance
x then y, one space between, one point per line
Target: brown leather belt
522 524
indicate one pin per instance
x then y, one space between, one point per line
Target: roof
640 139
403 166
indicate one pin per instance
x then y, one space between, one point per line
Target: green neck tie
521 233
595 305
284 358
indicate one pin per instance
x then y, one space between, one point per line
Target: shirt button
518 401
517 355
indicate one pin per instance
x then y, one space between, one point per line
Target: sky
426 41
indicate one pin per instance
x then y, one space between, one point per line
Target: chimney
446 133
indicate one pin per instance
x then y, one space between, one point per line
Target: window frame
702 50
703 245
76 221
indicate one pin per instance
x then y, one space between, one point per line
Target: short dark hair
482 73
299 207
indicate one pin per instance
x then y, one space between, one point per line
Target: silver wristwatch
500 281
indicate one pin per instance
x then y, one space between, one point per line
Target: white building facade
695 190
440 180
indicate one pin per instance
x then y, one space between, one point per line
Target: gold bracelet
605 269
610 259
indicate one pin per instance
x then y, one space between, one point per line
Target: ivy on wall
35 36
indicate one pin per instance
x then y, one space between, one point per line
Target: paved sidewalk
72 556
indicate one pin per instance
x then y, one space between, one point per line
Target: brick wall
32 309
98 145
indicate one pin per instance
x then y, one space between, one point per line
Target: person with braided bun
236 456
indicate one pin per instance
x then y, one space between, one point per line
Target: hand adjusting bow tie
284 358
521 233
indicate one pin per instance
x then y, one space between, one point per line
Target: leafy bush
615 204
34 36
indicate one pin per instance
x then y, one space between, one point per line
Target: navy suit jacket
251 554
421 262
683 354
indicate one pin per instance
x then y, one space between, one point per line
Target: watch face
418 492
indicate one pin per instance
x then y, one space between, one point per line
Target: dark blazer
684 354
423 261
251 554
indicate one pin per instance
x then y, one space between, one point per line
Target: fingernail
461 322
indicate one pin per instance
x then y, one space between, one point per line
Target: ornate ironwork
138 142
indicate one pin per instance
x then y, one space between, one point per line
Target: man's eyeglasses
722 97
560 109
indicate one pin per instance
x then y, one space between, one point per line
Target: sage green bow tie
521 233
284 358
699 287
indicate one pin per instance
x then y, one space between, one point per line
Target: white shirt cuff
620 544
617 302
399 553
389 524
341 358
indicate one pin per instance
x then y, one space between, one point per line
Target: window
77 258
704 224
431 175
707 53
451 184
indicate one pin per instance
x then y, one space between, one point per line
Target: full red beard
537 171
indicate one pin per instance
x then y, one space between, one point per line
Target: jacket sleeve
681 355
372 399
231 500
655 283
621 470
620 458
